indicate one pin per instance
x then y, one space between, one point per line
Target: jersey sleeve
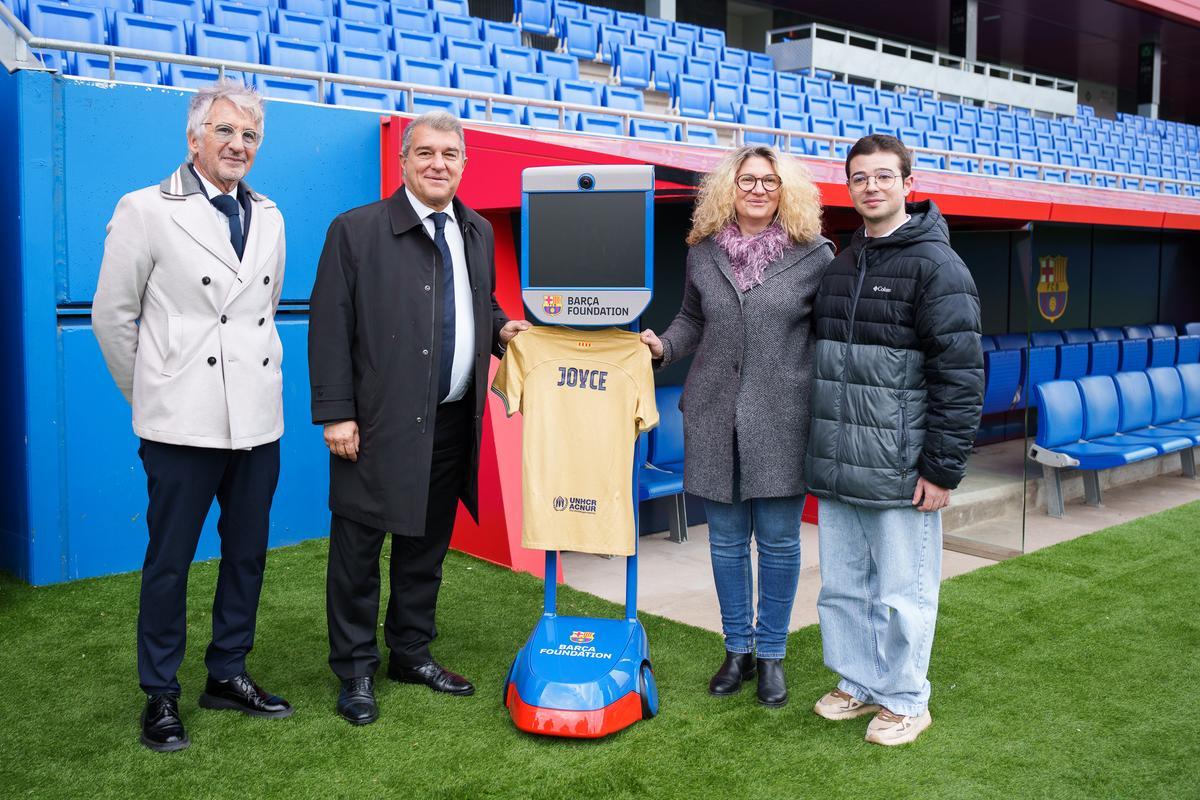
646 412
510 377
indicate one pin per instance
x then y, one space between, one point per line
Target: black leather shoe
772 688
241 693
433 675
162 730
356 702
738 667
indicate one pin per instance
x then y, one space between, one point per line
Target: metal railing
818 146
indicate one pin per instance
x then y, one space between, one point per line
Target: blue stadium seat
428 71
128 70
1189 376
1163 352
287 88
514 58
845 110
632 66
700 68
537 16
418 44
1135 354
538 87
187 10
467 51
686 31
600 123
1188 351
726 100
1041 364
1137 415
1162 329
237 16
539 117
697 134
666 67
1166 388
1045 338
363 10
457 26
824 126
578 92
872 113
363 62
680 46
863 94
362 34
412 19
296 54
298 25
730 73
815 87
791 103
761 61
1003 371
1072 361
712 36
1104 357
418 4
422 103
363 97
599 15
212 41
651 41
653 129
630 21
760 117
581 38
693 96
52 60
149 33
487 80
820 107
62 21
798 122
661 27
500 32
557 65
758 96
612 36
788 82
741 58
711 52
458 7
841 91
622 97
189 77
757 76
929 161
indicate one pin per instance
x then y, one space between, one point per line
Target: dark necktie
447 286
228 206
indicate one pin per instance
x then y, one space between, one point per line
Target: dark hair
881 142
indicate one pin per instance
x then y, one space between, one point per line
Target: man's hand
930 497
342 439
511 329
651 340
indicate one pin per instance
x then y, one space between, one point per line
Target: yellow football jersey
585 395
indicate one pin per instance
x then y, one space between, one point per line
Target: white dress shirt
907 217
464 317
212 191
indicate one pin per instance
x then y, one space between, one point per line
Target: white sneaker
890 729
838 705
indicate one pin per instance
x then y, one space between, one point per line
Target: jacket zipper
861 265
903 440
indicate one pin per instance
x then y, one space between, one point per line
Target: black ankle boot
772 688
738 667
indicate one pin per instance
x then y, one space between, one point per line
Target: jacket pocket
174 344
903 438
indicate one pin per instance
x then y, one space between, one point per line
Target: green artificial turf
1071 672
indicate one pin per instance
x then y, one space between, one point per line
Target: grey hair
438 121
242 96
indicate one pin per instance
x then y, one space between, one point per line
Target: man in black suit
403 321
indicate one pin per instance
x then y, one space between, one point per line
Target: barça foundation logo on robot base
583 637
581 649
592 306
552 304
1052 287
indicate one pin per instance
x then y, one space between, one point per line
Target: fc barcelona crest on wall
1052 287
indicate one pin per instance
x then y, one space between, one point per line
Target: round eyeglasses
769 182
883 180
225 133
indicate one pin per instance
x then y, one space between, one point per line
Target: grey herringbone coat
752 372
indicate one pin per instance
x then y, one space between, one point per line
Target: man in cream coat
184 313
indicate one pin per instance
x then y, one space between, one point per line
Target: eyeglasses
225 133
883 180
769 182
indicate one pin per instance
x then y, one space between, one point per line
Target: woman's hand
651 340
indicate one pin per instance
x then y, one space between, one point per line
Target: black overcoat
373 354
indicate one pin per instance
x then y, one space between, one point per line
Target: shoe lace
890 718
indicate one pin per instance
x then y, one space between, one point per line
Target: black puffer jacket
899 368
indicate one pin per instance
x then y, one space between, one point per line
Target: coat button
206 280
418 419
261 320
265 361
266 279
212 361
427 287
224 319
424 352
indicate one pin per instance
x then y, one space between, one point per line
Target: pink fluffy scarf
749 256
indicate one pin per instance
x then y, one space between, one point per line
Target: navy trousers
182 483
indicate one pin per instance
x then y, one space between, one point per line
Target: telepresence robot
586 261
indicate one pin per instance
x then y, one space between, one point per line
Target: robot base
581 677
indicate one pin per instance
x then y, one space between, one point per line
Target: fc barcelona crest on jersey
582 637
1052 287
552 304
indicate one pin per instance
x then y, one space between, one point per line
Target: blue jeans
775 523
880 574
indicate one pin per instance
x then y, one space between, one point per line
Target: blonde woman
755 259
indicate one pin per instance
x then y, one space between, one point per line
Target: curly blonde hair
799 199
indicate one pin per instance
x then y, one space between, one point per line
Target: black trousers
182 482
415 571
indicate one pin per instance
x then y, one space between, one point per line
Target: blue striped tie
447 285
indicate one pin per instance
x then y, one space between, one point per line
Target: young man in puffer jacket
895 406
